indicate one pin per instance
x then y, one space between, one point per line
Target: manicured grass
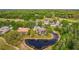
69 20
4 19
4 45
36 36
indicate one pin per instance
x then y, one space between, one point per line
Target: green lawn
4 45
36 36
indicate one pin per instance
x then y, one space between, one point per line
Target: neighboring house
51 22
46 21
4 29
23 30
54 23
40 30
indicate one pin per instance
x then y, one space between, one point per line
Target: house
46 21
23 30
54 23
39 30
4 29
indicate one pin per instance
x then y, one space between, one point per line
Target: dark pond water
40 43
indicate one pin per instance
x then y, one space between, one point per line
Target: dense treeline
69 37
15 25
38 14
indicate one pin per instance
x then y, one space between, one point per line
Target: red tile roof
23 29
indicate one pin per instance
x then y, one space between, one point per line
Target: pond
40 44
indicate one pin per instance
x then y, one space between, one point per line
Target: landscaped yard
36 36
4 45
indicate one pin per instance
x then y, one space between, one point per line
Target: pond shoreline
39 44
